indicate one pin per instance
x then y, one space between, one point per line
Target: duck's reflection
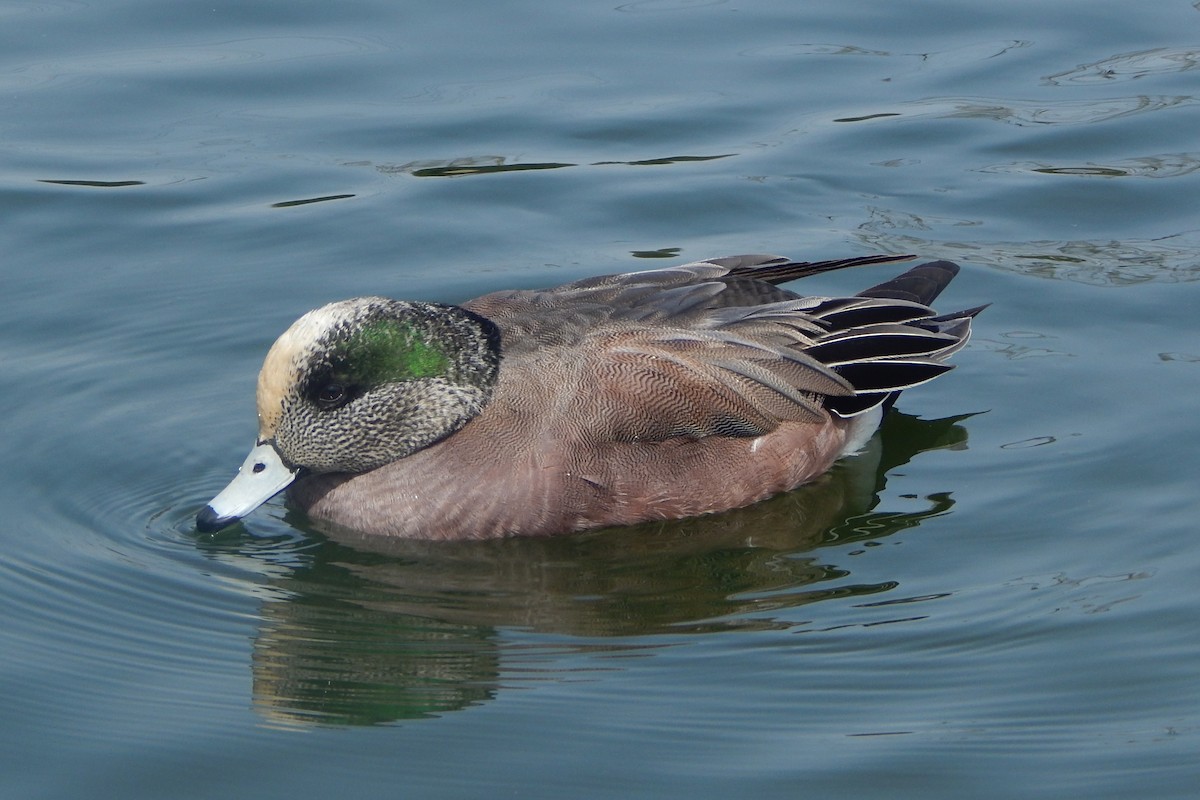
373 631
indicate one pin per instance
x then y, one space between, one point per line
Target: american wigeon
607 401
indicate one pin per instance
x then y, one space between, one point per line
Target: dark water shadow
366 631
492 165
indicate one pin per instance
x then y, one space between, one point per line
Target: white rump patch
862 428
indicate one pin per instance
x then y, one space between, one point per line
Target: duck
608 401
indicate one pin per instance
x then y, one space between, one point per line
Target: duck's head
358 384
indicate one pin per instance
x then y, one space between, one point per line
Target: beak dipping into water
262 476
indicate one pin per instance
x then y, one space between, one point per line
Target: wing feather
715 348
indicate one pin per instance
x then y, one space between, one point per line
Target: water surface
996 601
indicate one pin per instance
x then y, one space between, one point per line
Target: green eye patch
386 351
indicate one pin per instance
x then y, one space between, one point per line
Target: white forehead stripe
285 360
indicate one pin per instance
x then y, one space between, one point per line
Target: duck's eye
332 395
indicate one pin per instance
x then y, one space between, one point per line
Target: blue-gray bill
262 475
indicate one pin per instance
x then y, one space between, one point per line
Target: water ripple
813 49
1166 165
1030 112
1101 262
1129 66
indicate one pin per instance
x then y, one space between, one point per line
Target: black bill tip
209 521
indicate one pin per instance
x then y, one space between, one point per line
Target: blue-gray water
1008 608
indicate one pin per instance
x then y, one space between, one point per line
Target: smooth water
998 600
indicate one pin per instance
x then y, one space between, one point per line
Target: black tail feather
782 270
921 284
867 343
